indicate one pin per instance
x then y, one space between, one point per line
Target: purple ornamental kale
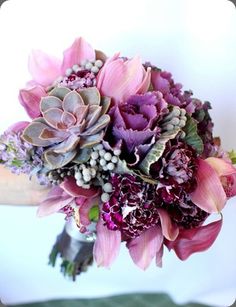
135 122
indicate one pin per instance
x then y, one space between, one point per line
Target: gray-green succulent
70 121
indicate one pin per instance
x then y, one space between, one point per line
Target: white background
196 41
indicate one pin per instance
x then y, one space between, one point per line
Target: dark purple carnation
135 123
131 208
177 166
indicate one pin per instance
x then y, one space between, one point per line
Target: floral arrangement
128 156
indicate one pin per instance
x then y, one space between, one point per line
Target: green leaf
59 92
192 138
94 214
157 150
232 156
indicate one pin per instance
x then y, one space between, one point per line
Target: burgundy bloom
135 123
131 208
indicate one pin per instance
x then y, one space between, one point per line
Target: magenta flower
119 78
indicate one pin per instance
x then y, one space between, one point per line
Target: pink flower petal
80 50
30 100
120 79
195 240
44 68
18 127
159 256
107 245
144 86
170 230
209 194
69 186
56 200
84 207
145 247
222 167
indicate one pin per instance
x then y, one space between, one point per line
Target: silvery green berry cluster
176 118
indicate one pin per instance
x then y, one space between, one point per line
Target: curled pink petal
84 208
194 240
30 100
107 245
44 68
145 247
169 229
80 50
159 256
144 86
69 186
222 167
209 194
56 200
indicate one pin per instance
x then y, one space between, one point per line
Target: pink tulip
30 100
210 195
121 78
46 69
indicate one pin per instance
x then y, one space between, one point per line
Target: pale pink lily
194 240
121 78
68 193
46 69
107 245
210 195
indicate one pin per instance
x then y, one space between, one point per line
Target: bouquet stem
75 250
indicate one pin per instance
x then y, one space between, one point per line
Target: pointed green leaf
232 156
157 150
192 138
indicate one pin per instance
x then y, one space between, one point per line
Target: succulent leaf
50 102
59 92
90 96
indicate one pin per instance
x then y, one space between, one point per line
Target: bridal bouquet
129 156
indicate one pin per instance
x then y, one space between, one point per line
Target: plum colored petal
107 245
145 247
44 69
222 167
69 186
209 194
135 121
56 200
117 117
159 83
169 229
132 138
194 240
18 127
80 50
120 79
30 100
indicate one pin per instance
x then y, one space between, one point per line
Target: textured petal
132 138
30 100
169 229
56 200
69 186
32 133
80 50
145 247
195 240
50 102
107 245
44 68
120 79
222 167
209 194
